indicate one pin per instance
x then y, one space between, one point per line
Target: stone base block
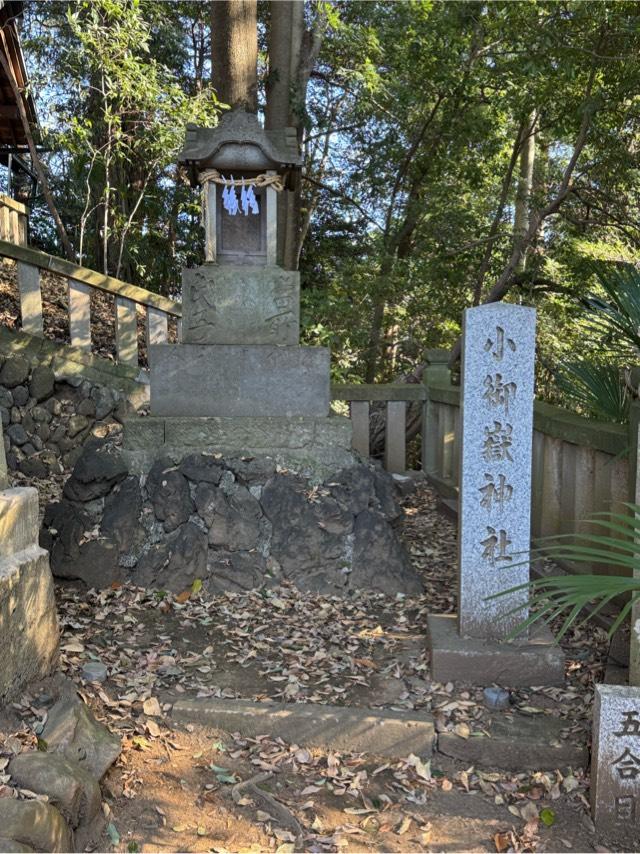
316 445
18 519
380 733
28 620
536 661
234 380
232 303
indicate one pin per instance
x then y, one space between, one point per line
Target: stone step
380 733
516 743
235 380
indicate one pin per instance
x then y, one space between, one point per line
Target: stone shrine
615 763
239 477
239 381
494 509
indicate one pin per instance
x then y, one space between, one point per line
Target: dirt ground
184 788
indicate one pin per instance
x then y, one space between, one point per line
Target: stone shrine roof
238 142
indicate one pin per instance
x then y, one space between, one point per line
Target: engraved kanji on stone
630 724
497 442
498 393
495 492
627 765
495 545
625 808
497 346
204 311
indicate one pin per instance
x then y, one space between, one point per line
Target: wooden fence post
436 372
126 331
360 426
80 314
157 326
30 298
395 440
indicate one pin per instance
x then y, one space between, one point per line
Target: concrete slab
240 304
517 743
538 661
230 380
18 519
380 733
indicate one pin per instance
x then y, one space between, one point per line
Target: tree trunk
234 52
525 186
293 51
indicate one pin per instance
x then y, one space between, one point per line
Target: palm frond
619 315
597 388
569 595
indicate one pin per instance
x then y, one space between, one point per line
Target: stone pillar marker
495 471
496 418
615 763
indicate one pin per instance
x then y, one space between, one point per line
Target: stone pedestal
315 446
28 621
237 303
236 381
533 661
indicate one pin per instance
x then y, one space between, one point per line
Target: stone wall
47 415
233 523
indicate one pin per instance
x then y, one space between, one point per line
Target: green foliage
119 114
595 389
614 541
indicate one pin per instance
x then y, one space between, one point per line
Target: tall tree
234 57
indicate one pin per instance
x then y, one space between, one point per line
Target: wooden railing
14 220
396 397
80 283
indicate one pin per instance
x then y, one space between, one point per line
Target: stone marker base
28 621
318 446
536 661
390 734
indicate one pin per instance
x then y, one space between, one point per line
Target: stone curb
381 733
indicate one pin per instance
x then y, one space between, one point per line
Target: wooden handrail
89 277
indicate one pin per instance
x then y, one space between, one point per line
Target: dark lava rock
42 382
235 571
20 395
171 500
250 470
380 561
233 520
17 434
33 467
120 518
14 371
95 474
202 468
175 563
303 548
